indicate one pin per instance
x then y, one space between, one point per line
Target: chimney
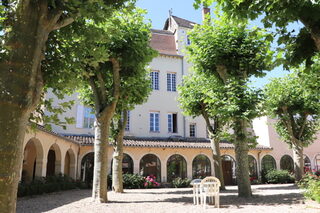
205 11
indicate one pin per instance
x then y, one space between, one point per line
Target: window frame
194 130
173 128
154 127
127 127
171 82
87 118
155 80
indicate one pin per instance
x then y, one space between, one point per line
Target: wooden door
227 172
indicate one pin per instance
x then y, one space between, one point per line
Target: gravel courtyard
267 198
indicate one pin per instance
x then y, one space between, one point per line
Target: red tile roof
200 143
164 42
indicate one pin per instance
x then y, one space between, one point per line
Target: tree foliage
231 53
300 43
229 49
109 62
294 101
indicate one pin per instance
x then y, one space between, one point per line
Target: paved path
267 198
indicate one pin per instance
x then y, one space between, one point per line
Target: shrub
150 182
279 176
311 183
48 184
133 181
181 183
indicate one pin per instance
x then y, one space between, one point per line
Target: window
172 123
171 82
89 118
192 130
188 40
154 75
127 128
154 122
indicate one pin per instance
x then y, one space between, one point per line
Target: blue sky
158 12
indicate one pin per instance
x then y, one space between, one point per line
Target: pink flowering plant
150 182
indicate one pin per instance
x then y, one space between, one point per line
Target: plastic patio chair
210 187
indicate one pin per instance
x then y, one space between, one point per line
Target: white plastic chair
210 187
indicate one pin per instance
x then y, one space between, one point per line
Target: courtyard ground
267 198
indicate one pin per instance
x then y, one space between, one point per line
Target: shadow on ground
228 198
42 203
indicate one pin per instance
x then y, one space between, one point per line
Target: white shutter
80 111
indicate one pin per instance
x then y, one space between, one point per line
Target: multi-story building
159 140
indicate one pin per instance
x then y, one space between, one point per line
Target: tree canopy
231 53
227 49
293 101
300 43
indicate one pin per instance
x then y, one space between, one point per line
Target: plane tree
232 53
133 91
201 95
296 23
24 29
294 102
104 57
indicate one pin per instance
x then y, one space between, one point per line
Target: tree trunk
13 124
21 86
214 143
117 178
104 114
298 161
313 28
217 164
242 165
100 172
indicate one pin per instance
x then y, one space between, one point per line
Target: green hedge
49 184
279 176
181 183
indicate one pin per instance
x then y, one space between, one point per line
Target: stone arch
176 167
127 164
70 164
54 160
317 162
286 163
32 160
228 169
253 167
307 163
87 165
268 163
201 166
150 164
